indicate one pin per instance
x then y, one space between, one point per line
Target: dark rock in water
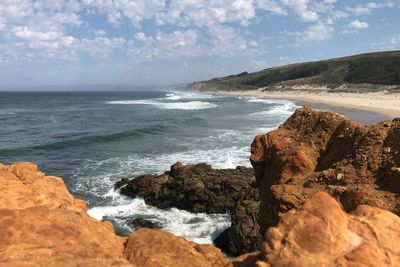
244 234
140 222
324 151
200 188
195 188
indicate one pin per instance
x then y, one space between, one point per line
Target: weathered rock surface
154 248
323 151
244 234
195 188
200 188
42 224
322 234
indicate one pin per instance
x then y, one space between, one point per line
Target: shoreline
363 107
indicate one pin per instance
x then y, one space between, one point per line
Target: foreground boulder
154 248
200 188
322 234
42 224
324 151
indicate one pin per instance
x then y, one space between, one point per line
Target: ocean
93 139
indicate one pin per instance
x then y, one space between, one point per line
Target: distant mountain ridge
371 71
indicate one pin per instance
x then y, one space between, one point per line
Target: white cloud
392 43
271 6
186 28
316 32
309 15
358 24
101 46
368 7
100 32
215 41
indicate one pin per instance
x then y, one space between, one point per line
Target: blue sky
155 42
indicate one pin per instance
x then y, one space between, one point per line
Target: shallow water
93 139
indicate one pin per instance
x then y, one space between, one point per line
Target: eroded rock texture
42 224
200 188
322 234
195 188
323 151
154 248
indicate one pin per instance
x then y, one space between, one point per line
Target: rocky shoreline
199 188
324 192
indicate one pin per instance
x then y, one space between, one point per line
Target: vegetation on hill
381 68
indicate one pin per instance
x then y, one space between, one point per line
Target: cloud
368 7
391 43
316 32
219 41
101 46
149 29
358 24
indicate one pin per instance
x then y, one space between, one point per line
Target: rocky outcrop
244 234
154 248
195 188
322 234
42 224
323 151
200 188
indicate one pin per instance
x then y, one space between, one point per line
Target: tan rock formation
322 234
42 224
153 248
323 151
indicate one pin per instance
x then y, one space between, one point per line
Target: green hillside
372 71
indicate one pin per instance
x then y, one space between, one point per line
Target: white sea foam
268 101
132 102
201 228
222 148
285 109
174 97
191 105
260 100
198 227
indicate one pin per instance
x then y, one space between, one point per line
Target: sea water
93 139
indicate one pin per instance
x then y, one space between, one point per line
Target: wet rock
200 188
140 223
324 151
244 234
195 188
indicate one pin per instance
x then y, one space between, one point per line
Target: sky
161 42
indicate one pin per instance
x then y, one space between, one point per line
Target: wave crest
191 105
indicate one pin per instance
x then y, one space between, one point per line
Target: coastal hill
367 72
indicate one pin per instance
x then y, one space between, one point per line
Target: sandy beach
386 104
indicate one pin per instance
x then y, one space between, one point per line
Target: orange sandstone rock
42 224
323 151
153 248
322 234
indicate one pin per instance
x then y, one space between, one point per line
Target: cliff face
42 224
323 151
